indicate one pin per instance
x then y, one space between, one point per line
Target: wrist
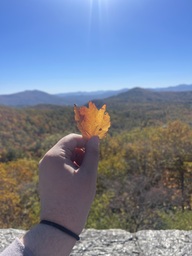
47 240
61 228
74 223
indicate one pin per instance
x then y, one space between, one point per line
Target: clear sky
86 45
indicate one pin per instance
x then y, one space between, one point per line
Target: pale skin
66 193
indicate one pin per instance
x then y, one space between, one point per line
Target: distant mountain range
177 88
80 98
35 97
139 95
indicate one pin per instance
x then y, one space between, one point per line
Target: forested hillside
145 169
28 132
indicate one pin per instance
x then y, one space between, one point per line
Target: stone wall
119 242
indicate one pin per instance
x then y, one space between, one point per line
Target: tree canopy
145 168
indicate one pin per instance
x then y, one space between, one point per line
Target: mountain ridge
144 95
36 97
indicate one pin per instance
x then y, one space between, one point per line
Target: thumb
91 157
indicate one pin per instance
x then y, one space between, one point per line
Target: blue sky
87 45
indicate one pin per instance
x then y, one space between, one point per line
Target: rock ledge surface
116 242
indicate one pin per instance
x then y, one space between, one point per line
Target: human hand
67 190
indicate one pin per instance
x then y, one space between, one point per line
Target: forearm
45 240
66 195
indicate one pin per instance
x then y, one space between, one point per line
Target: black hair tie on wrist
65 230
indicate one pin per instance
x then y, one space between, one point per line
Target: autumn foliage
145 168
18 198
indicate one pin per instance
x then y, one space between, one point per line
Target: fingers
91 157
72 141
78 156
65 148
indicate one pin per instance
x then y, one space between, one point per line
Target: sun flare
98 12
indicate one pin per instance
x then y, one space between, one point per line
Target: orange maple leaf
92 121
